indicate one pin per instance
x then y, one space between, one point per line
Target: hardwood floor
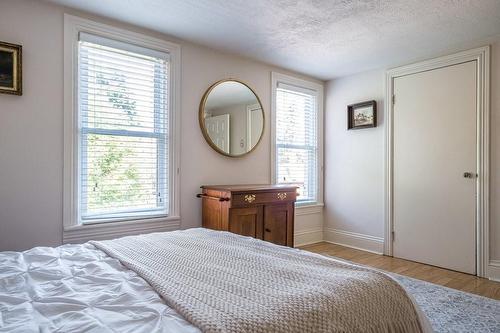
444 277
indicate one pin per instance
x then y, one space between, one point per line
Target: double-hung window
297 146
122 131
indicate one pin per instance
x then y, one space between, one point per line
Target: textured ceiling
322 38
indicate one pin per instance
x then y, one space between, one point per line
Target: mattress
75 288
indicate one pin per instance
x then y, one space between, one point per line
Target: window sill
308 208
85 232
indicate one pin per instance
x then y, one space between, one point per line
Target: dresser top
250 187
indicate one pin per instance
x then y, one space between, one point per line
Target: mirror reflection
232 119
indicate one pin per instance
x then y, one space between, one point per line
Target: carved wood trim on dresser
260 211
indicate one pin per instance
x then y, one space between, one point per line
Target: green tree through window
111 178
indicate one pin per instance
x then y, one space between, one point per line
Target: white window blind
123 114
297 140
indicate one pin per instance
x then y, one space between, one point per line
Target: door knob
469 175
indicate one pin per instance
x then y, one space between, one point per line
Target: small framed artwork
11 69
362 115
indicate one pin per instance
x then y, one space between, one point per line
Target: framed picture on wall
362 115
10 68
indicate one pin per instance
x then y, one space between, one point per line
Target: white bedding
76 288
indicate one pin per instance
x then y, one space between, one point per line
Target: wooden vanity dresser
261 211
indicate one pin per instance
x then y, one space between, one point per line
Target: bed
196 280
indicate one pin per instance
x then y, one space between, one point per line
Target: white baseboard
308 237
493 270
357 241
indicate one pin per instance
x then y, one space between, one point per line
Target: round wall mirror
231 118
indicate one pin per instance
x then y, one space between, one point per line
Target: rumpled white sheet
78 288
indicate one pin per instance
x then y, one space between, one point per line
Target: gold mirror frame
201 118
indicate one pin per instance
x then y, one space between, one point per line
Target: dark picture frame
11 76
362 115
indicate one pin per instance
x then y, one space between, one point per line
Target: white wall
31 129
354 164
354 160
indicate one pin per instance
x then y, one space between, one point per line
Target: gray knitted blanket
222 282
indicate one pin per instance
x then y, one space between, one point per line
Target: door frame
250 108
482 57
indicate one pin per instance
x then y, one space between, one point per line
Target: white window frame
312 207
73 229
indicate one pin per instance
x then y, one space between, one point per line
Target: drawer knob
282 196
267 230
250 198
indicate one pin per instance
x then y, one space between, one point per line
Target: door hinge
393 99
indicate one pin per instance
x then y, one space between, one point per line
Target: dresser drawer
259 198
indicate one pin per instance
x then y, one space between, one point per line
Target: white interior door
254 125
434 140
218 130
